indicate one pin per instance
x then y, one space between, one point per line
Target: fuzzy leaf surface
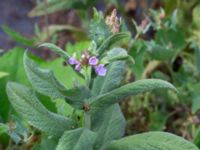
151 141
105 100
30 108
78 139
109 124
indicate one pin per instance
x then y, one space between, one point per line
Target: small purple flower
100 70
78 67
93 61
73 61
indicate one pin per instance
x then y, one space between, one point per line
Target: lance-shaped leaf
44 82
112 79
56 49
151 141
78 139
115 54
105 100
112 40
30 108
109 124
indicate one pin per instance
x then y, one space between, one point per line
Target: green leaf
197 140
113 40
44 82
112 79
17 36
29 107
56 49
98 28
105 100
3 74
53 6
167 44
11 63
151 141
195 104
197 57
110 123
3 128
115 54
195 15
77 139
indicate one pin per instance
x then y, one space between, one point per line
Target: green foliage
151 141
28 106
12 64
77 139
108 127
55 5
3 74
43 80
167 44
105 100
112 40
85 101
17 36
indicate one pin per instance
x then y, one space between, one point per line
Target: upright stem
87 120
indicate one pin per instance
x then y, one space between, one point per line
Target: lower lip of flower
78 67
73 61
100 70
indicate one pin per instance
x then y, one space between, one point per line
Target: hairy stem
87 120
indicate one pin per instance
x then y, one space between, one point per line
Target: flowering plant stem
87 120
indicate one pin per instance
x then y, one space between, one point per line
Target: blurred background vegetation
165 44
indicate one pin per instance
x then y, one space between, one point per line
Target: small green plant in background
96 121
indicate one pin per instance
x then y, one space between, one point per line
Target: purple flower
78 67
100 70
73 61
93 61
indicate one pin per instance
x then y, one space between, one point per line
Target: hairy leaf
111 80
29 107
109 124
98 28
105 100
44 82
112 40
77 139
116 54
151 141
56 49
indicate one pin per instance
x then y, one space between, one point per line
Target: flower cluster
113 22
93 61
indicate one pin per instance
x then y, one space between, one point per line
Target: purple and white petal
73 61
93 61
78 67
100 70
